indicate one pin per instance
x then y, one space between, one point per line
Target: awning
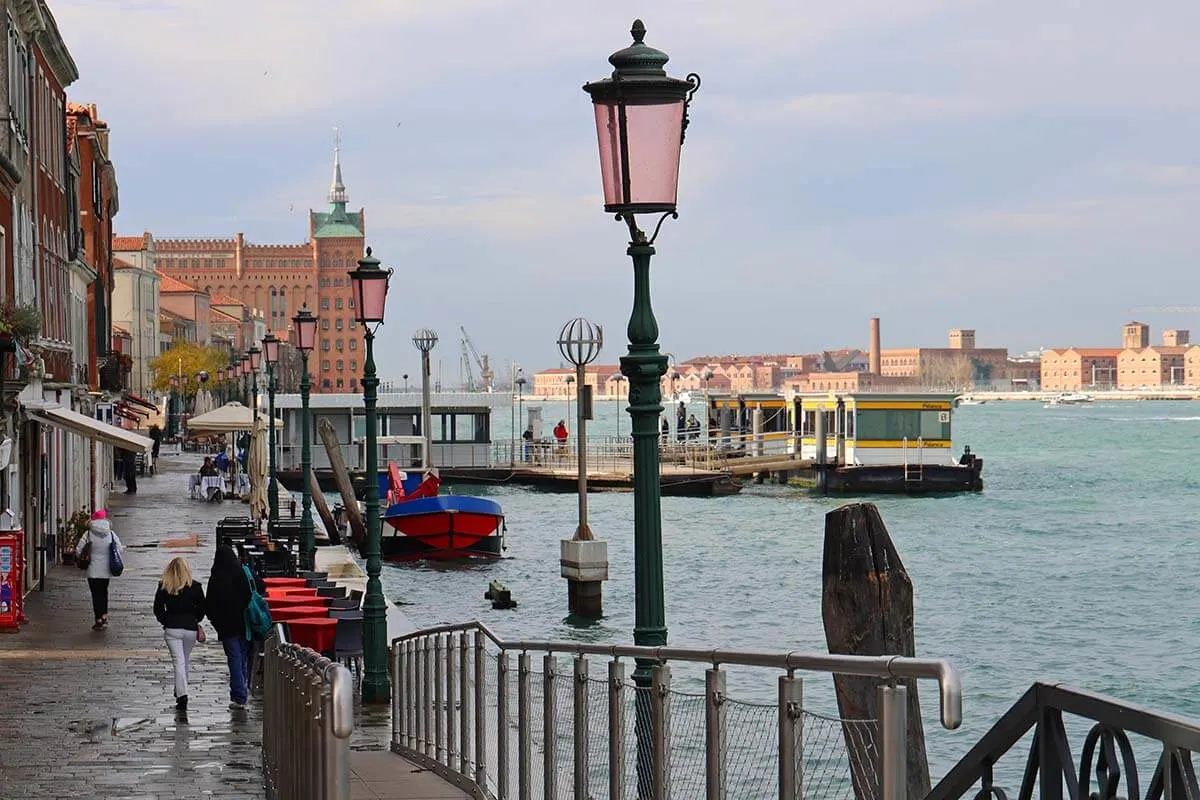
141 401
90 428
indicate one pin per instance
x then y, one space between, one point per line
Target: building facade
277 280
1073 368
136 304
1150 367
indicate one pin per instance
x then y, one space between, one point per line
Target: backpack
116 565
257 616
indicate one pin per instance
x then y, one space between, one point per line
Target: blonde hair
177 576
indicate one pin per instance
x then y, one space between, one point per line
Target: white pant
180 642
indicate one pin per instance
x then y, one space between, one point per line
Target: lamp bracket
694 80
636 234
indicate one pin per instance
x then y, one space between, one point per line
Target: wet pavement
91 714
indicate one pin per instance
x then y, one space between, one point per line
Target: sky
1027 168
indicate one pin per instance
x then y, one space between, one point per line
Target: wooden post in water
358 531
867 606
318 499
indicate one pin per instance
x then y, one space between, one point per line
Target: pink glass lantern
641 114
271 349
304 327
255 359
370 285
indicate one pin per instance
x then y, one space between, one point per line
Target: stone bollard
585 566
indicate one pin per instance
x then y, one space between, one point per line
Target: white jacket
101 535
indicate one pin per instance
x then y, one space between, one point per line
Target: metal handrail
938 669
308 717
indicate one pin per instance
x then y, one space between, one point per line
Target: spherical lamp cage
580 341
425 339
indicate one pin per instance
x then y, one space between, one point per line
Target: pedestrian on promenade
228 597
179 607
99 541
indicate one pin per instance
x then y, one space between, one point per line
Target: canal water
1076 564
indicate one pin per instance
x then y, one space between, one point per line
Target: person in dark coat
179 608
156 437
228 598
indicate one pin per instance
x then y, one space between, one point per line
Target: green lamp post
370 284
641 117
271 355
244 371
220 384
304 330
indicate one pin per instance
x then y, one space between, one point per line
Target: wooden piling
867 606
318 499
358 531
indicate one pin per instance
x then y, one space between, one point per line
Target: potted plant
73 531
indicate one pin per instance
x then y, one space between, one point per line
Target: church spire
337 190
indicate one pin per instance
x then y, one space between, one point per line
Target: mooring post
867 606
820 455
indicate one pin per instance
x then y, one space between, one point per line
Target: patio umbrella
256 468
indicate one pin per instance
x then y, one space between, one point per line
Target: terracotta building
1070 369
1160 365
278 279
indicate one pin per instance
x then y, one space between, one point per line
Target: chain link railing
308 716
539 719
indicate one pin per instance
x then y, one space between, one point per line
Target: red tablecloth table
290 591
288 601
285 582
289 613
316 633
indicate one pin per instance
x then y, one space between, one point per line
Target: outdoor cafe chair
345 613
356 595
348 643
342 603
331 591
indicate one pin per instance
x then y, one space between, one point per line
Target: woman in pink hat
99 540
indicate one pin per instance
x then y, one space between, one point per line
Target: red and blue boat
433 526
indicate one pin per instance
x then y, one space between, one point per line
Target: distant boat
969 401
1069 399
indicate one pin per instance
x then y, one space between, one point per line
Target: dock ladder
914 473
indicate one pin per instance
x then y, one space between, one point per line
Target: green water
1075 564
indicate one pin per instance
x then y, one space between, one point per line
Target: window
353 324
341 383
353 383
208 262
338 304
338 323
338 345
325 346
324 366
354 344
324 303
325 383
353 366
324 324
18 83
341 365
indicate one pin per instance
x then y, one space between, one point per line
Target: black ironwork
1107 756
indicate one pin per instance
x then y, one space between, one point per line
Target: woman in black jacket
228 597
179 607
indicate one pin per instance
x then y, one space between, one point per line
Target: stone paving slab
91 714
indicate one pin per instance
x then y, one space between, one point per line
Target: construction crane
486 376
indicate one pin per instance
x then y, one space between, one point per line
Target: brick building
1158 365
1070 369
276 280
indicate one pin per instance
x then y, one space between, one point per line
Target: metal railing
1119 734
308 716
501 727
615 455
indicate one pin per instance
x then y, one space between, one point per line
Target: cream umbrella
256 468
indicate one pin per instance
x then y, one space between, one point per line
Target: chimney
873 353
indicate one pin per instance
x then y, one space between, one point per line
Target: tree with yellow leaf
187 360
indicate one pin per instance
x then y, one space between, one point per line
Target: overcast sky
1024 167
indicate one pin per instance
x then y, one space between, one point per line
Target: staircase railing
559 726
1057 770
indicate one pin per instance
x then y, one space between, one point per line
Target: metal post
791 737
524 743
644 366
413 691
464 707
580 726
660 702
439 681
714 734
273 498
893 756
401 683
375 681
427 698
549 728
451 691
616 729
584 533
480 711
308 544
426 414
502 725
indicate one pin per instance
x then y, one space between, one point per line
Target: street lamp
221 386
425 340
641 116
271 354
370 285
521 410
244 367
304 326
567 381
580 342
707 376
405 376
172 405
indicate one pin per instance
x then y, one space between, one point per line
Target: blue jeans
237 654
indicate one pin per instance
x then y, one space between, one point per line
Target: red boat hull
443 528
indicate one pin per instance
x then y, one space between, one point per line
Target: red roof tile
225 300
119 263
131 243
167 284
